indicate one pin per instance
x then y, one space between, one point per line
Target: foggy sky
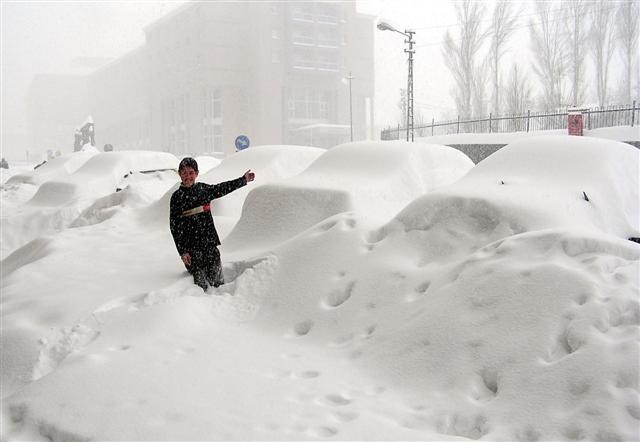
58 37
51 37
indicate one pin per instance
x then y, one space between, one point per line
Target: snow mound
55 168
492 344
524 330
532 184
376 178
23 185
100 176
482 310
270 163
58 202
139 190
206 163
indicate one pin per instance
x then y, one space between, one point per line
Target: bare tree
480 79
461 55
549 55
576 28
517 92
602 45
502 27
627 25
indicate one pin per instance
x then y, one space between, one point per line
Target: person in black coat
191 223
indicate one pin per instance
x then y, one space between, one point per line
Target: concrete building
210 71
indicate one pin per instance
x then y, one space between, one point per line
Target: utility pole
410 51
383 26
350 77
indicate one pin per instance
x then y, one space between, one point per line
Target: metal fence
623 115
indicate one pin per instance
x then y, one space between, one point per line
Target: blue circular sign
242 142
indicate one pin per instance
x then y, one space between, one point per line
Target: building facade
276 72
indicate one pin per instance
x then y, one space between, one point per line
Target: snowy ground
376 291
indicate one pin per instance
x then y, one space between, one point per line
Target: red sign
575 124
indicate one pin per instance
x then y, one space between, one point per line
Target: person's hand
186 259
249 176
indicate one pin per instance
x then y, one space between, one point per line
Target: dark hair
188 162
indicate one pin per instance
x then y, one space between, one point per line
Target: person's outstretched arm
221 189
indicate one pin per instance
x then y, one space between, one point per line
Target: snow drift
480 310
64 195
365 177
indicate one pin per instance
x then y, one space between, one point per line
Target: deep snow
437 301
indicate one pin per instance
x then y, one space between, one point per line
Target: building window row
309 104
320 12
310 58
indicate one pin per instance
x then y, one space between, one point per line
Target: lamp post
383 26
350 77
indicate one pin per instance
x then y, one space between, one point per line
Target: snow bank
617 133
54 168
100 176
22 186
376 178
58 202
483 310
206 163
533 184
271 163
528 338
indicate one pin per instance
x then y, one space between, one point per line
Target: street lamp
350 77
383 26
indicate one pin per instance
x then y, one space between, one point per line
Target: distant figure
3 163
191 224
108 148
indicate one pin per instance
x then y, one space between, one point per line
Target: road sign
242 142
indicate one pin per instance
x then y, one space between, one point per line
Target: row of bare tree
563 35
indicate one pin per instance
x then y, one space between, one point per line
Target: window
309 104
217 138
328 61
276 55
302 12
175 119
303 58
211 100
327 13
217 103
327 38
303 36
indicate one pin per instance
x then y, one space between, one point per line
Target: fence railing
593 118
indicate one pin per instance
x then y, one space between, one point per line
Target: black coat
197 231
